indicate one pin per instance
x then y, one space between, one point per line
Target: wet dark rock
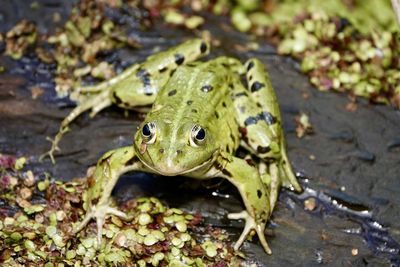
394 144
344 136
361 154
2 46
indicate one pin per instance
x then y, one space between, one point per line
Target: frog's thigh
108 170
141 86
255 196
262 93
267 120
260 87
255 125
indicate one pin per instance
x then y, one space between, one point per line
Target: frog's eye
197 136
149 132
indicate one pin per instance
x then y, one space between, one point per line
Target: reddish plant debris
38 216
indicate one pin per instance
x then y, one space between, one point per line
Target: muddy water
350 165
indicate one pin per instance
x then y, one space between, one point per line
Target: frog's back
199 93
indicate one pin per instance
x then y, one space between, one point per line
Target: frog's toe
250 224
83 223
47 154
100 222
99 215
50 153
54 145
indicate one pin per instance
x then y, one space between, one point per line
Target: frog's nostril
179 151
161 150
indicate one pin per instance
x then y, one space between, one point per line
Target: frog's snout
167 161
168 168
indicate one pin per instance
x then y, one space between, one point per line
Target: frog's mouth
170 169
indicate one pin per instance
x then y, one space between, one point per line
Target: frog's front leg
255 196
97 199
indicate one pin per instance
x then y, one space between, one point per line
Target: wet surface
351 162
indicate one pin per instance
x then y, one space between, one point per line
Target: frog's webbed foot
99 213
255 196
250 225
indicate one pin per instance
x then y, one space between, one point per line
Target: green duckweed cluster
337 57
19 39
77 47
342 45
37 218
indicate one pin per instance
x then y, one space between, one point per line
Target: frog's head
171 149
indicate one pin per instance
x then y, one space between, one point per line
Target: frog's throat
205 164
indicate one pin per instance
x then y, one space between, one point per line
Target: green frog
201 114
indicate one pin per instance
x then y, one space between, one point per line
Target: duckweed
156 236
150 240
210 248
144 219
343 46
177 242
181 226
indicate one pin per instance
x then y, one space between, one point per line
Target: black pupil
201 134
146 130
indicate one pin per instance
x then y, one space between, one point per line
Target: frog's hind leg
94 98
263 94
135 88
260 122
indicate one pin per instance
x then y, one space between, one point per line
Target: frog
201 113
